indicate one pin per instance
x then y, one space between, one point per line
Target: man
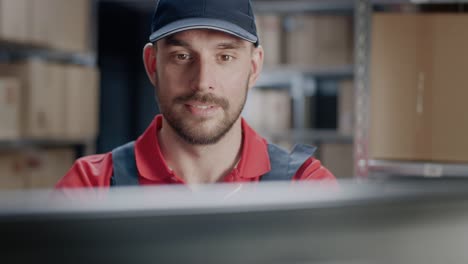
203 57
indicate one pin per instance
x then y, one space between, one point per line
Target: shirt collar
149 159
254 160
151 165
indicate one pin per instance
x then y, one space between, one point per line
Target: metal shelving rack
19 51
365 167
14 52
362 24
301 81
86 147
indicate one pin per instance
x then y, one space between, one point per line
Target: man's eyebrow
172 41
231 45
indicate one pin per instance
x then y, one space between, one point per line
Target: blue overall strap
284 165
124 165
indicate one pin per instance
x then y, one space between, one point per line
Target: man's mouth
202 106
203 110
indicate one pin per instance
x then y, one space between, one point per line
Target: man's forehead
190 37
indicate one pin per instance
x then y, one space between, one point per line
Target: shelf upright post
298 96
363 16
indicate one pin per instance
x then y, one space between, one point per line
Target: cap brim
202 23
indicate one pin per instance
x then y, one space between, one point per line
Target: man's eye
226 57
183 56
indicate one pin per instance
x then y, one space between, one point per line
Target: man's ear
256 65
149 59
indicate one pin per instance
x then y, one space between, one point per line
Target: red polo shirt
96 170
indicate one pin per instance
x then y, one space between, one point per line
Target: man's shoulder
312 169
94 160
89 171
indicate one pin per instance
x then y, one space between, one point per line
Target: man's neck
197 164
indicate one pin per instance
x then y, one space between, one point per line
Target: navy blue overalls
284 165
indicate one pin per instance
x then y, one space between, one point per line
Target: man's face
202 79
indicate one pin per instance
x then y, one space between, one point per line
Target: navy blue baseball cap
234 17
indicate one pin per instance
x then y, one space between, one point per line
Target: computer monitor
265 223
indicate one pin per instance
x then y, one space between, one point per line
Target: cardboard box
268 110
82 99
13 20
46 167
252 111
72 28
319 40
277 114
41 18
34 169
36 97
38 101
419 73
58 101
57 106
270 29
10 101
346 107
338 158
61 25
12 171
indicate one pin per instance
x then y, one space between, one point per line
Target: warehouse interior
379 90
332 79
378 86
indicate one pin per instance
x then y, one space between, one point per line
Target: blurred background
378 86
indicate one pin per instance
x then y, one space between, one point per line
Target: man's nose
204 75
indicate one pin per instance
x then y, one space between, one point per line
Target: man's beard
196 134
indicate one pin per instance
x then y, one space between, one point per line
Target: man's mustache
204 99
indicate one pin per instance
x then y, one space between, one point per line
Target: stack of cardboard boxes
34 168
419 88
48 101
269 111
10 96
305 42
319 41
41 99
56 24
